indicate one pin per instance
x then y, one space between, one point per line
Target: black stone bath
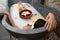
33 34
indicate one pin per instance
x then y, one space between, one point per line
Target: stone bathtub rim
19 31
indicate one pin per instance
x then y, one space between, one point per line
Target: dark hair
39 23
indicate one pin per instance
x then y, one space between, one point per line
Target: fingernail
49 31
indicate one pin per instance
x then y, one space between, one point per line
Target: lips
26 14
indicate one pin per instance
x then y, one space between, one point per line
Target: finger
54 25
47 18
46 24
6 12
50 27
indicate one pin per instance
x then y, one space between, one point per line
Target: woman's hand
51 22
10 19
5 12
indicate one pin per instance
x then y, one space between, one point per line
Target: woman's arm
51 22
10 19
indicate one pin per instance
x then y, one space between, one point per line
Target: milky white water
14 10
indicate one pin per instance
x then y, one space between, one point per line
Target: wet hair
39 23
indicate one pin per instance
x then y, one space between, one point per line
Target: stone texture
53 3
36 4
4 35
50 36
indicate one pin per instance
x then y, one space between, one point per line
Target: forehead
15 1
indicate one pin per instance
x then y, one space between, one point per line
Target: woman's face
21 7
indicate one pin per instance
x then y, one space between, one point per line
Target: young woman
49 13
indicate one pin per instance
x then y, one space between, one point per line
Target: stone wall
53 3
